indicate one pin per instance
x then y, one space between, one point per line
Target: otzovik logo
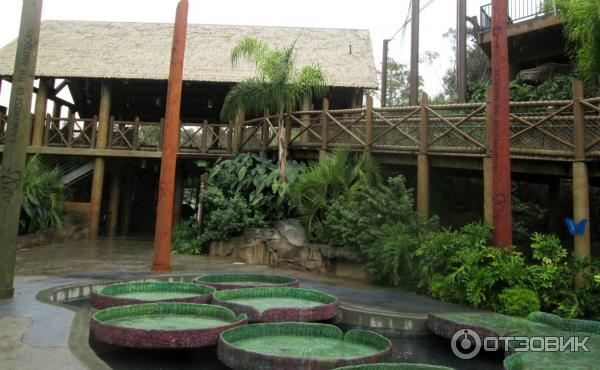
465 344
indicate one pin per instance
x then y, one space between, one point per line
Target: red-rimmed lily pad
163 325
238 281
279 304
284 346
150 292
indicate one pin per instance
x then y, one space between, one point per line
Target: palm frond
250 49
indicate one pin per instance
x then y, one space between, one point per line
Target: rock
292 231
544 72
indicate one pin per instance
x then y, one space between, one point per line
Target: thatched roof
142 51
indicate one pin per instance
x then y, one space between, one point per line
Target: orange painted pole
170 146
502 219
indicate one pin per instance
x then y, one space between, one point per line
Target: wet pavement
34 331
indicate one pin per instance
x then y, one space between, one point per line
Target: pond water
408 347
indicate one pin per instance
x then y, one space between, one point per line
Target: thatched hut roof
142 51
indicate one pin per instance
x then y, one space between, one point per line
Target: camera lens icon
465 344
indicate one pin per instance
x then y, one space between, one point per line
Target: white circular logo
465 344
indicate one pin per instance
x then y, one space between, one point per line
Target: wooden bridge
549 140
541 131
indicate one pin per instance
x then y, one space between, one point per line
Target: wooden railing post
71 123
581 189
423 162
324 128
135 143
264 136
304 137
369 125
237 132
47 128
2 121
288 129
204 140
41 103
488 164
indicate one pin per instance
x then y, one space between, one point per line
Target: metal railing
518 11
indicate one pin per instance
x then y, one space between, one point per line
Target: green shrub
342 173
478 275
390 259
185 238
357 222
226 217
518 301
434 255
44 197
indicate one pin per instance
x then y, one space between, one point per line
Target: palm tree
277 86
342 173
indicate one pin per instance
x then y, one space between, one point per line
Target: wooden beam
16 139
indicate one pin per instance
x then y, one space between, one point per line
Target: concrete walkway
36 335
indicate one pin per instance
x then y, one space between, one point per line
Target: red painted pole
170 146
502 219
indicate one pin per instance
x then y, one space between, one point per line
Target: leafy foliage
582 29
243 192
256 180
341 173
518 301
44 197
185 238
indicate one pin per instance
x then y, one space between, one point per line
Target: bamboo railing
539 130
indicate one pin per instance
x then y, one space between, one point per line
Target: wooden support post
98 175
70 128
501 127
237 132
178 195
16 140
581 189
126 204
96 196
56 112
369 125
264 136
164 213
204 140
41 104
113 204
324 129
488 164
305 136
423 162
104 116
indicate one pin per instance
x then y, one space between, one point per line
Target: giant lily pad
312 346
163 325
237 281
279 304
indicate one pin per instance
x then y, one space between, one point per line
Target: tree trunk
282 149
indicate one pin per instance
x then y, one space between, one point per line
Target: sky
381 17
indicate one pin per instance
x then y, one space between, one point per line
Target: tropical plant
340 173
518 301
276 87
185 238
255 179
44 197
582 30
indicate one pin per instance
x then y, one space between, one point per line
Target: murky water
427 349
